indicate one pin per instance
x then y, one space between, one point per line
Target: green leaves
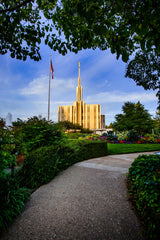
125 57
144 186
122 25
7 149
20 32
34 133
41 166
12 200
134 117
144 69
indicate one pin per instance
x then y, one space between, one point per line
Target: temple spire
79 88
79 78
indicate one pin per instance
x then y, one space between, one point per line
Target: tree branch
11 9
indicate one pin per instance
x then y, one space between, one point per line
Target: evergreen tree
157 121
134 116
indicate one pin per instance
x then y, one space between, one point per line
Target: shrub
41 165
12 200
74 135
152 138
104 134
88 149
144 187
111 136
90 137
34 133
132 136
7 150
149 138
122 135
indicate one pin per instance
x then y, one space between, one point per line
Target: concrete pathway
88 201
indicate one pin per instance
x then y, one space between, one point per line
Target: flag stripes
51 68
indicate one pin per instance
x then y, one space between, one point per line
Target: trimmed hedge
92 149
40 166
144 187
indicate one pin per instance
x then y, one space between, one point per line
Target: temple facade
86 115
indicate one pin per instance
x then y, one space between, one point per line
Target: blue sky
24 84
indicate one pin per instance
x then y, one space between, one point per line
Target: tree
67 125
134 117
157 121
109 126
2 123
123 26
144 69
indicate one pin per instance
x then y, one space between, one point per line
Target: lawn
116 148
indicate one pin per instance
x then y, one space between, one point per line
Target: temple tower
79 88
86 115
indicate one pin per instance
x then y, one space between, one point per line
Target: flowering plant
148 138
122 135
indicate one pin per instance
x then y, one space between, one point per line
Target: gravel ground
88 201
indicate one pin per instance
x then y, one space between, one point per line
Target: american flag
51 68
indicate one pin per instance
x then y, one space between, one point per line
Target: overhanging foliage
122 26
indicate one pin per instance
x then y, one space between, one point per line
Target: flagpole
49 92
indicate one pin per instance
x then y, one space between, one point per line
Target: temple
86 115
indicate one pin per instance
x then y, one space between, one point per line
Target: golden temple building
86 115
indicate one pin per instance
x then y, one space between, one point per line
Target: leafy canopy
121 25
134 117
144 69
124 26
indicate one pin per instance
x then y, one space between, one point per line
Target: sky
24 84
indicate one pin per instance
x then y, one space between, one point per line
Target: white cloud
116 96
39 86
62 84
35 87
24 94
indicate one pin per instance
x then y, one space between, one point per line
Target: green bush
144 187
74 135
111 136
7 149
41 165
34 133
12 199
122 135
92 149
132 136
90 137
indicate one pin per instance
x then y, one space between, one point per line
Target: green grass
117 148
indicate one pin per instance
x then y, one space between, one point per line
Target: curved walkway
88 201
